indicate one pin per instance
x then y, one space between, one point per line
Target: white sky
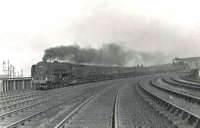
27 27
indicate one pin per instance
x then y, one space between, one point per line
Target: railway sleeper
176 115
187 98
155 106
171 113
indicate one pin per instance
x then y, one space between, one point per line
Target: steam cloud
107 54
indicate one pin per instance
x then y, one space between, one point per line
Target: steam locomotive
49 75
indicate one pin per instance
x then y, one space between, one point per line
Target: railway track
174 105
190 80
23 101
19 115
27 99
28 118
175 82
30 115
110 104
93 113
134 112
189 95
97 111
41 102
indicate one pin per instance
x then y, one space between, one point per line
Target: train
50 75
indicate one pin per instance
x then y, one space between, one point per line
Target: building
192 62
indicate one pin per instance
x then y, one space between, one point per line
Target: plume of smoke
108 54
148 58
61 53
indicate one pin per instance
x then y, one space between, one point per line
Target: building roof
189 59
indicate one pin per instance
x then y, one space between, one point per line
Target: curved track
172 99
141 102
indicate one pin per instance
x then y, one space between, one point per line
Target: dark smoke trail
108 54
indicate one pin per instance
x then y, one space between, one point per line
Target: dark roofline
189 59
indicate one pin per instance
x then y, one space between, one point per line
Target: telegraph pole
22 73
13 71
8 69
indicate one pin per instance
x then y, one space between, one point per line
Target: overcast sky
27 27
